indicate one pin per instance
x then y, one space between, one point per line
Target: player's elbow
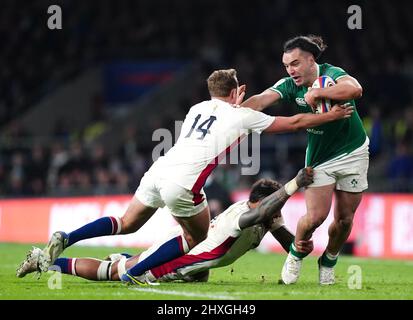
354 90
358 92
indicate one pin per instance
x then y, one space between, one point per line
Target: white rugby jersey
209 132
225 243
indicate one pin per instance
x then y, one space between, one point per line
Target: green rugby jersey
329 140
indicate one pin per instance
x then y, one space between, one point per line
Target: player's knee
345 223
199 237
315 221
189 240
127 226
193 240
316 216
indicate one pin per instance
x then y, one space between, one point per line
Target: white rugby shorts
348 172
157 192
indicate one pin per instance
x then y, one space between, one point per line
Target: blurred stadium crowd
219 34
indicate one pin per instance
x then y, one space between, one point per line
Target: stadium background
79 106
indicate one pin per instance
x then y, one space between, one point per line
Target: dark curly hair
310 43
263 188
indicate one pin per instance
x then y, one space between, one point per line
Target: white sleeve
254 120
228 225
235 224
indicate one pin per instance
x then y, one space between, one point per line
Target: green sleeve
285 88
335 73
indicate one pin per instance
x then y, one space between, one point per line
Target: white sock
331 256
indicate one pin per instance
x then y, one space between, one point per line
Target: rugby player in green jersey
338 151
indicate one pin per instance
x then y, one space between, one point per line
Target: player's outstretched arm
272 204
262 100
308 120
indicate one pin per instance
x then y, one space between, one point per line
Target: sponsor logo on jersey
313 131
301 102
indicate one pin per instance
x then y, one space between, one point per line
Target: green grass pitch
254 277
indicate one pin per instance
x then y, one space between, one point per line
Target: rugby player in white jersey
231 234
210 129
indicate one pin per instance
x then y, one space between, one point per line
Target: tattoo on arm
268 207
272 203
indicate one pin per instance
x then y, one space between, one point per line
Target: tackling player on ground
338 151
231 234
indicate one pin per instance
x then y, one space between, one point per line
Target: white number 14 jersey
210 130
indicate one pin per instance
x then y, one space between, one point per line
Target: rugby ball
323 105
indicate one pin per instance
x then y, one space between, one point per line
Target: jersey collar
219 102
